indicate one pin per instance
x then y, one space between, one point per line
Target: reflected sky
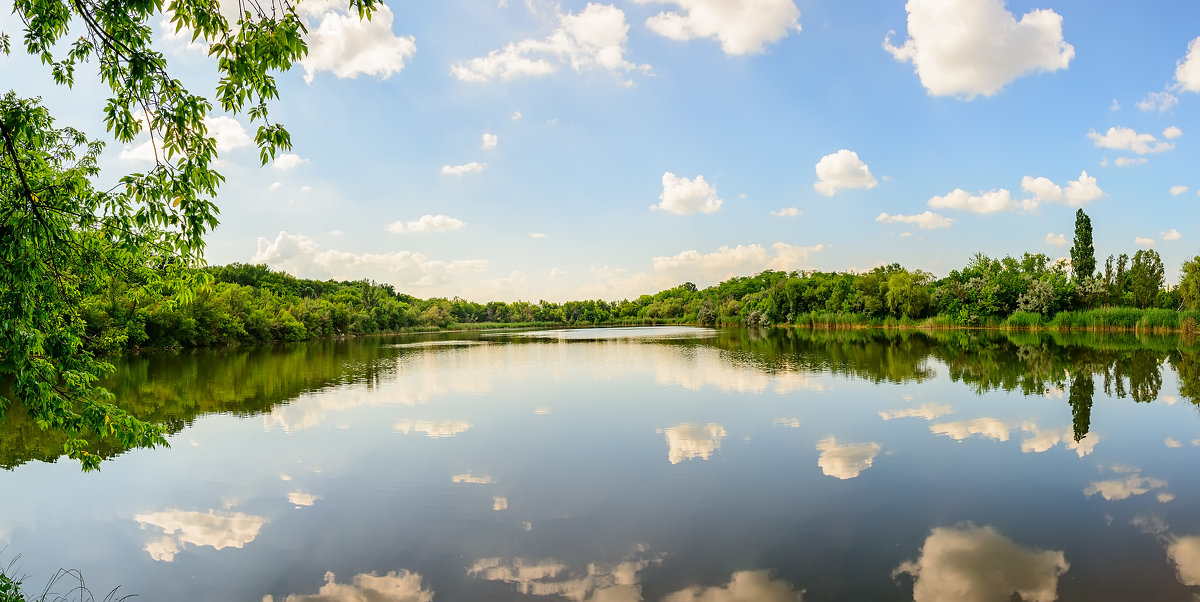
845 460
742 586
798 465
617 582
689 441
212 529
1128 482
396 586
978 564
607 334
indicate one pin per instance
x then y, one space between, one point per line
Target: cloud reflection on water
434 429
978 564
690 440
1120 488
467 477
218 531
1040 440
743 586
396 586
927 411
1184 553
847 460
705 367
420 377
431 372
1044 440
300 498
620 582
988 428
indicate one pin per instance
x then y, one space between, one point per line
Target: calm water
636 464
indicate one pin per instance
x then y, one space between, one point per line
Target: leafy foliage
61 240
1083 252
1189 284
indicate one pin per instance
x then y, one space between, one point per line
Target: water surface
636 464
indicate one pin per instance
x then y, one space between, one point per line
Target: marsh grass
66 585
1024 319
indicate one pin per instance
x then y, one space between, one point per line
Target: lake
676 464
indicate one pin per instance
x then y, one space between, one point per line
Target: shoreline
887 324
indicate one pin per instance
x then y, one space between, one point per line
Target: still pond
674 464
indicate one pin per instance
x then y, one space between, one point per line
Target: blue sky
532 149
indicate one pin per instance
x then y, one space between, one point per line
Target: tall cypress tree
1083 253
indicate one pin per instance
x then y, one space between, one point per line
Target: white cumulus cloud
1077 193
1082 191
697 267
300 255
427 223
348 46
1187 71
288 161
490 141
1143 241
743 27
727 261
1178 190
682 196
984 202
926 221
971 47
1130 161
228 132
1172 133
466 168
787 212
1158 101
1042 189
842 170
1128 139
1172 234
593 38
1058 240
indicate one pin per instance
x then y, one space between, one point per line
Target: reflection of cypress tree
1082 390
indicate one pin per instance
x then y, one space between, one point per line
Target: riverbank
1101 320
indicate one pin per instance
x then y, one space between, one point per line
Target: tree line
251 304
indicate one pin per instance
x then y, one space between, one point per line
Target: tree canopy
63 237
1083 253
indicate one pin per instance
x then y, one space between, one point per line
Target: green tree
907 294
1083 253
1145 277
1189 283
60 237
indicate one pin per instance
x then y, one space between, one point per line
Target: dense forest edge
242 304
